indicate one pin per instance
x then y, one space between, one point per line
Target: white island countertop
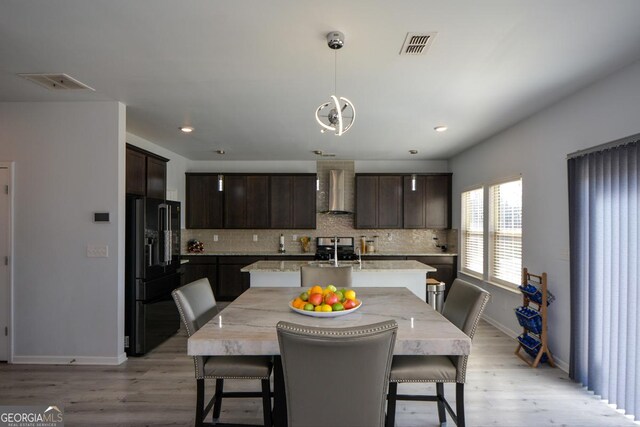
409 274
294 266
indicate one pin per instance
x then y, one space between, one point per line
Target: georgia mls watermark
31 416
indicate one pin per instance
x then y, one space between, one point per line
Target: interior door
4 264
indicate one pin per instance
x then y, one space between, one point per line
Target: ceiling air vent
417 43
56 81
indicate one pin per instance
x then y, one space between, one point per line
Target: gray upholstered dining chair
197 306
463 307
311 275
336 376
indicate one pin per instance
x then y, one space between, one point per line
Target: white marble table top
249 323
294 266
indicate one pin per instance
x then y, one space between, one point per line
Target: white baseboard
561 364
69 360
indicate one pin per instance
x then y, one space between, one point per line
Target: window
505 238
473 231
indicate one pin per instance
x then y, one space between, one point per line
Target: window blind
506 232
473 231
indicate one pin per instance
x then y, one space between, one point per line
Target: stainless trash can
435 294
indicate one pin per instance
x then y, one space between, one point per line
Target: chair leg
266 402
217 405
460 404
392 393
199 401
442 414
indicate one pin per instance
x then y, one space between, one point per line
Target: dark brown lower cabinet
231 282
201 266
447 267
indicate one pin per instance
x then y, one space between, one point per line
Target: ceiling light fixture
339 118
186 129
220 151
440 128
413 151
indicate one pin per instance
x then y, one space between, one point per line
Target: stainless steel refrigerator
152 271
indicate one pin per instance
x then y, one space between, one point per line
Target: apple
315 299
309 307
349 304
330 298
340 296
304 296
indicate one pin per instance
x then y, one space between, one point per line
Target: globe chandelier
338 114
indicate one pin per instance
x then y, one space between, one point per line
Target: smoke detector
417 43
56 81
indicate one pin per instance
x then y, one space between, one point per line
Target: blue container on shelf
532 346
529 319
535 294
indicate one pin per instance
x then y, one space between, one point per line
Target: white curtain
605 299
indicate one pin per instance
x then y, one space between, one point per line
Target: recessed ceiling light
440 128
413 151
317 152
186 129
220 151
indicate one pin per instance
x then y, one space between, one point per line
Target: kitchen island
400 273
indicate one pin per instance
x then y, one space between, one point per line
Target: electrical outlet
215 237
98 251
389 236
255 237
294 238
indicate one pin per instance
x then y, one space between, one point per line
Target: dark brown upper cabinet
204 201
389 201
136 166
275 201
293 201
304 201
414 205
246 201
156 178
438 201
146 173
378 201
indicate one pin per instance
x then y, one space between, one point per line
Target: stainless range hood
336 193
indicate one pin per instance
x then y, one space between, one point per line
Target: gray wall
69 163
537 148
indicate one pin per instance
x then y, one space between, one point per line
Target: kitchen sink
330 263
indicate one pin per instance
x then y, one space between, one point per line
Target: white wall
69 163
537 149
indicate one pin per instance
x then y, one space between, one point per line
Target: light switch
255 237
294 238
98 251
215 237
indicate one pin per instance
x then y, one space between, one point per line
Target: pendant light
338 114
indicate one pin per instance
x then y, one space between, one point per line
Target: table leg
279 395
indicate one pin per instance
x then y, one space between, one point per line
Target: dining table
247 327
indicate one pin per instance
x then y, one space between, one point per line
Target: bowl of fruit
326 302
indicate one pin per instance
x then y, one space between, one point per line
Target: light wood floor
159 389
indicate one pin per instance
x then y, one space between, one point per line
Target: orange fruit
315 290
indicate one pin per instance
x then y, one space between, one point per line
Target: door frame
10 341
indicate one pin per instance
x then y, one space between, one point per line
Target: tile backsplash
388 240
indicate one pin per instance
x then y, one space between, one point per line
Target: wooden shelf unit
541 283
